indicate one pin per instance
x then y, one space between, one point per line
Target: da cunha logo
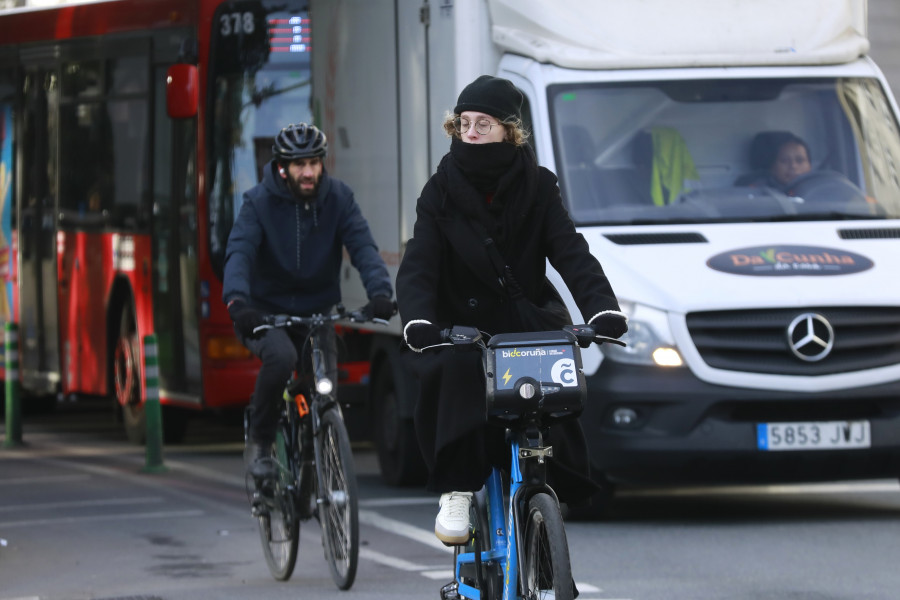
789 260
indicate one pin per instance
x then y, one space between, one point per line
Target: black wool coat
446 277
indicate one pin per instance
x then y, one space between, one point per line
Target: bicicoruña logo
789 260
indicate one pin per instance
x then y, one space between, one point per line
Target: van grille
635 239
756 341
869 234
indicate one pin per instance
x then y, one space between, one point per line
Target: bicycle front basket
534 374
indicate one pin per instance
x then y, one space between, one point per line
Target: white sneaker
451 526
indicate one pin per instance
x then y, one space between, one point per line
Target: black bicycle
315 472
518 548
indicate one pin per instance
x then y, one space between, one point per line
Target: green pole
152 411
13 406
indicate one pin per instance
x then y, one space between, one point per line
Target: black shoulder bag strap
504 272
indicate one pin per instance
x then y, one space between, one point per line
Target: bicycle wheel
547 571
491 574
279 525
338 512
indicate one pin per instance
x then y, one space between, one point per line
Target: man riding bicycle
284 255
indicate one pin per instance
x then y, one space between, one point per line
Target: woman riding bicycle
284 255
488 186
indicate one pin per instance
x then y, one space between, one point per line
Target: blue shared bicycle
517 547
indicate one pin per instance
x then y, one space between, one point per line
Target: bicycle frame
506 543
317 405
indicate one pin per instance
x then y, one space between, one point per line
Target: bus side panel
83 285
7 255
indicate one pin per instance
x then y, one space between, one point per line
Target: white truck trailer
764 340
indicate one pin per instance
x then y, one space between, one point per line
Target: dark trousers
281 352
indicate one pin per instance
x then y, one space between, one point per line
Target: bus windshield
259 82
707 151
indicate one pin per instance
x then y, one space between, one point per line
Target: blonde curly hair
515 129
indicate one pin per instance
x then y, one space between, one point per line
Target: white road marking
123 517
439 575
853 487
388 502
80 504
401 528
44 479
391 561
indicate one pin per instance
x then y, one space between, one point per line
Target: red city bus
129 130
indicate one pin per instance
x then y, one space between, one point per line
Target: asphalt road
79 519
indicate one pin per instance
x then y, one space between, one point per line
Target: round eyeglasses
482 126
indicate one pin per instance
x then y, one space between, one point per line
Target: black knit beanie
492 96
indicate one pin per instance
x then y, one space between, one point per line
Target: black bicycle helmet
299 140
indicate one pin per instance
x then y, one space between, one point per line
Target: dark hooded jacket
284 256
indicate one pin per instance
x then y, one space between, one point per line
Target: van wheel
395 437
127 378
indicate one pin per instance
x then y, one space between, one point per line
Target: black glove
609 324
421 335
380 307
246 318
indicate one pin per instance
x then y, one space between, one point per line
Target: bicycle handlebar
463 337
341 313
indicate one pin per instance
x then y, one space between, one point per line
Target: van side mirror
182 91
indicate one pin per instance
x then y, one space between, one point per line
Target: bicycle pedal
451 591
258 507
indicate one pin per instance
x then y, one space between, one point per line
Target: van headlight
649 340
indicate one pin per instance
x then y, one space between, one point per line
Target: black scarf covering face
483 164
507 171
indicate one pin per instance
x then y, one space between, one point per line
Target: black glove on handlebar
609 324
422 335
380 307
246 318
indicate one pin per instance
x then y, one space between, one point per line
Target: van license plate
825 435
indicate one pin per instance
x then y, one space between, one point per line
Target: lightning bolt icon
506 377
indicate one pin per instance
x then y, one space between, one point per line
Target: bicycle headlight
649 339
324 386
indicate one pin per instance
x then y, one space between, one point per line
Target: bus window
127 75
86 162
105 162
259 82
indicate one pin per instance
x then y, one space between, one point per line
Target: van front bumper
689 431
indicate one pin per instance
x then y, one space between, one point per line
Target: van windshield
726 151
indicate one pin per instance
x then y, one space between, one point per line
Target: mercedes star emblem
810 337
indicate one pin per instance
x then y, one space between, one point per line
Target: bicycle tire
492 576
338 511
279 525
547 570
